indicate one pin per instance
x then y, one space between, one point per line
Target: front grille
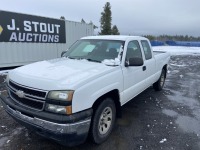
27 102
28 91
31 98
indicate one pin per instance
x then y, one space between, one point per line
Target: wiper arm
71 57
76 57
93 60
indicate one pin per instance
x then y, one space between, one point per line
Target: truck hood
59 74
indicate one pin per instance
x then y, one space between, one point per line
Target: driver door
134 76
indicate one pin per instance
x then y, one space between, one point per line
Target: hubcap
105 120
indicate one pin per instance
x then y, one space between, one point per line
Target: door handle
144 68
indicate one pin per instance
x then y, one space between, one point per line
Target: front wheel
158 86
103 121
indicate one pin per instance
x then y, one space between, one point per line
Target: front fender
85 96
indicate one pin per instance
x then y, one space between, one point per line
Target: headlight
59 109
61 95
64 99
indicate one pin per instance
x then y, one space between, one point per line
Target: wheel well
165 68
114 94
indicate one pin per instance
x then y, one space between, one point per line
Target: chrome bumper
78 127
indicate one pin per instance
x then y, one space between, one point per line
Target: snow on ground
178 50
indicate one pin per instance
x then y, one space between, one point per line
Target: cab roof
115 37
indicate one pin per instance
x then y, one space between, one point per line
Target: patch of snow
177 65
3 141
175 71
170 113
188 124
111 62
181 76
4 72
178 50
163 140
120 52
8 141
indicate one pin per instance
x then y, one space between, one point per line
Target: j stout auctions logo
26 28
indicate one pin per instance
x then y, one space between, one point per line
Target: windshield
95 50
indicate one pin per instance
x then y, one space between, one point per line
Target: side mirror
134 62
62 54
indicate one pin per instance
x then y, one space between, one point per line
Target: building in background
27 38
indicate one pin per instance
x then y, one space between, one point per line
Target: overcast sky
134 17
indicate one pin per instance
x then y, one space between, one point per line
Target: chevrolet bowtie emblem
20 94
1 29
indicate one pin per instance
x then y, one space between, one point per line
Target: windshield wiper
71 57
93 60
75 57
79 58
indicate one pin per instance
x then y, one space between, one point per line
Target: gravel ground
153 120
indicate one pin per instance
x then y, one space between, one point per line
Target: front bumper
66 133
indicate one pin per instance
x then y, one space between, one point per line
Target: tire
158 86
103 121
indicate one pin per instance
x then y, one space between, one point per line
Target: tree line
172 37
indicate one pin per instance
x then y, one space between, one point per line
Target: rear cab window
146 49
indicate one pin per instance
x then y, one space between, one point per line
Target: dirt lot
169 119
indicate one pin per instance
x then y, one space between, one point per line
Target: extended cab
65 99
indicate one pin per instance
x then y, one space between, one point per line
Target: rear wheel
158 86
103 121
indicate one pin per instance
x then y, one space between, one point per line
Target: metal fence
175 43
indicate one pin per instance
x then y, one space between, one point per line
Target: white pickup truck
81 94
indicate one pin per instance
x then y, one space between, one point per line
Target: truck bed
158 52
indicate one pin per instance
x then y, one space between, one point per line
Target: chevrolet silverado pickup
81 93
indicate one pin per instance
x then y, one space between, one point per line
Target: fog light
4 93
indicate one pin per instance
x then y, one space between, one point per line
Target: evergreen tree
62 17
106 20
115 30
82 20
91 23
